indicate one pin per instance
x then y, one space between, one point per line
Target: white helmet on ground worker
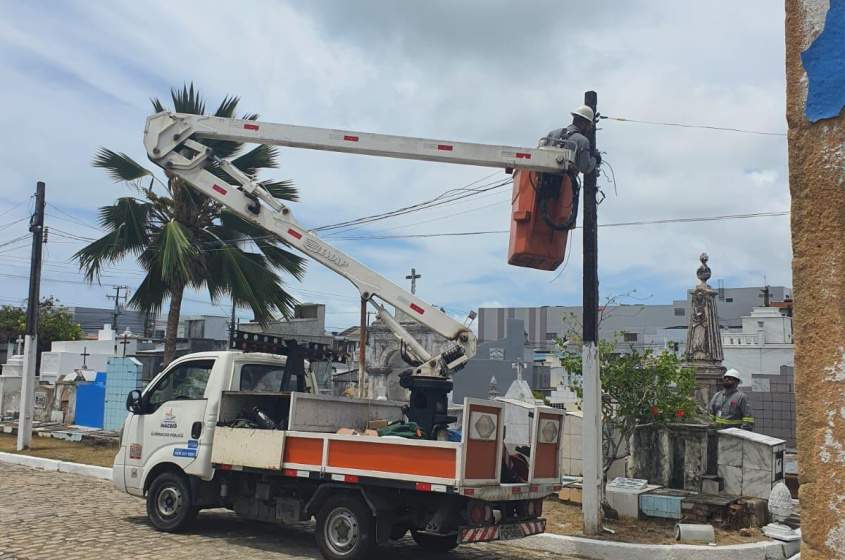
585 112
733 373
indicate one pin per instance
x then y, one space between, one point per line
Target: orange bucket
533 244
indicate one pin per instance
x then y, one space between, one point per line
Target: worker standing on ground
582 120
730 407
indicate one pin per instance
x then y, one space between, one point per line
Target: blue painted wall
824 62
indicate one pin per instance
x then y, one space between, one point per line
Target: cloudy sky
79 75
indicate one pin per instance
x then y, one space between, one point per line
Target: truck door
172 425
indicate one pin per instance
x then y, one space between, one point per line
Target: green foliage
638 387
182 238
55 322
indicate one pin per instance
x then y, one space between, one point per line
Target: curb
103 473
609 550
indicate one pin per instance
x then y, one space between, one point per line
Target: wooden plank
260 449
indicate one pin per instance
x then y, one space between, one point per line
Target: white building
762 347
68 356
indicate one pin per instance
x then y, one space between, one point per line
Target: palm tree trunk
176 293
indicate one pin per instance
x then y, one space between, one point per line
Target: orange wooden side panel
303 451
438 462
546 455
481 455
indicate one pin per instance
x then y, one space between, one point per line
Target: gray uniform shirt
584 160
732 410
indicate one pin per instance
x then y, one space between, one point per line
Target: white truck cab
171 422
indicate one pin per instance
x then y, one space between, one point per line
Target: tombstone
750 464
10 385
704 340
623 495
122 375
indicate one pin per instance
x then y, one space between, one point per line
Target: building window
550 336
631 337
680 312
729 300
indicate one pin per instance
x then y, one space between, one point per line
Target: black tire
170 506
346 528
435 543
398 532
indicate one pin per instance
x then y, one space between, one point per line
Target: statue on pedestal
704 339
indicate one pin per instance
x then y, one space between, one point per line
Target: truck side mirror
133 402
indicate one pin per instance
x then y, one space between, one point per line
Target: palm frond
130 214
175 245
119 166
283 190
250 282
227 106
187 100
262 156
150 293
233 226
158 106
250 117
93 256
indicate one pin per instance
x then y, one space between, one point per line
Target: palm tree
183 239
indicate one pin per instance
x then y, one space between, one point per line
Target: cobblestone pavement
58 516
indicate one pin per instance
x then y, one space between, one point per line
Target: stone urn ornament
780 506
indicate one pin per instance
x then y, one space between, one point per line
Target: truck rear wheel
170 506
346 528
434 543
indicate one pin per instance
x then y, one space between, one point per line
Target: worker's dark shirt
731 409
584 160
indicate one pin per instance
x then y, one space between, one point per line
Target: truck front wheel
170 506
346 528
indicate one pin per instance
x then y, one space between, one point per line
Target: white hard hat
732 373
584 112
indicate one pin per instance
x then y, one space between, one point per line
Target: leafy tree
183 239
55 322
638 386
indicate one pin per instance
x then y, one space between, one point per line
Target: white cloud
493 72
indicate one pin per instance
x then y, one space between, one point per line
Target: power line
620 224
449 196
724 129
18 205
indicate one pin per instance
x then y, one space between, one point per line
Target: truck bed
471 467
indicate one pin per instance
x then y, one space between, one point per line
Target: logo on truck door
169 420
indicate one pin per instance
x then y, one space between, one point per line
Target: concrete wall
672 455
474 379
815 40
123 375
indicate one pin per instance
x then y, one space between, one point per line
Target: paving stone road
58 516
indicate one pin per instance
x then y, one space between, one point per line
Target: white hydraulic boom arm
171 142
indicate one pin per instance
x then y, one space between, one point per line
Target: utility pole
232 323
362 350
116 298
591 401
27 404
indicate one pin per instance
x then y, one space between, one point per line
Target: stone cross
518 366
125 342
85 355
413 278
19 345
